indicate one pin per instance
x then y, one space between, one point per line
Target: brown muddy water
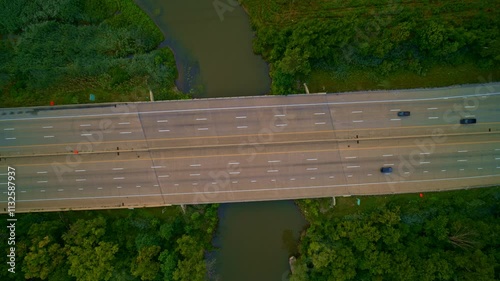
255 240
212 47
214 57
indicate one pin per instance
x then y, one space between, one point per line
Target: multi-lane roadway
252 148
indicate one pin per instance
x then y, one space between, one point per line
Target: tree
89 257
45 254
145 265
191 266
168 264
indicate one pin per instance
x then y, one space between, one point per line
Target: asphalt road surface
249 149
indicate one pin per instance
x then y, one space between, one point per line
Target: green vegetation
440 236
358 45
65 50
142 244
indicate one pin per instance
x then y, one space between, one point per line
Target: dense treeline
143 244
64 50
445 236
303 38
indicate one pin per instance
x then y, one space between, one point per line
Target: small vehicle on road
403 113
468 121
386 170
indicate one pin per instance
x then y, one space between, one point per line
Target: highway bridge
129 155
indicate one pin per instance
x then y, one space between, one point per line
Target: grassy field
348 205
437 76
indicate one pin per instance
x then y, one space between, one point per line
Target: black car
386 170
403 113
468 121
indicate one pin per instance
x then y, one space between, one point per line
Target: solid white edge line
252 107
255 190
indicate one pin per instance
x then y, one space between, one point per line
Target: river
213 52
212 47
256 239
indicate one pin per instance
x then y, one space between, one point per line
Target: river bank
214 54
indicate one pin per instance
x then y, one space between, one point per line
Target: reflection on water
256 239
213 48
